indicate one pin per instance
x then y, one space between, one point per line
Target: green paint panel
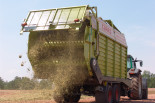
112 60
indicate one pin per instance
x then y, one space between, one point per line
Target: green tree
43 84
27 84
150 78
14 84
1 83
21 83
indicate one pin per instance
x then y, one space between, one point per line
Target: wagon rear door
60 18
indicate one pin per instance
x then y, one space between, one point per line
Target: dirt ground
44 96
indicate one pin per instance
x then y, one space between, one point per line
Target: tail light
132 71
76 20
24 24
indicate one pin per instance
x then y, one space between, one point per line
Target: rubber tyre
73 96
109 95
116 94
136 87
104 96
100 95
67 98
145 94
58 99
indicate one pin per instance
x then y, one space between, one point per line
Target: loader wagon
94 49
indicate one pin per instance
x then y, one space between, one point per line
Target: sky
134 18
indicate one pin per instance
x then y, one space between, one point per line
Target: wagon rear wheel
58 99
73 96
109 94
104 96
116 94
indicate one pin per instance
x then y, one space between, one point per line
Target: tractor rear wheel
145 94
145 88
136 89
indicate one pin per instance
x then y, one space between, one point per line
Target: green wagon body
74 32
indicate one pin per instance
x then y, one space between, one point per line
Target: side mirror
141 63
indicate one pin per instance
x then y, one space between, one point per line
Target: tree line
25 83
150 78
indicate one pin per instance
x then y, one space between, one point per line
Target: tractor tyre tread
136 79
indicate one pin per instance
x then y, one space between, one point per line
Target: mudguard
96 70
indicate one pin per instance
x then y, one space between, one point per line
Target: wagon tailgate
61 18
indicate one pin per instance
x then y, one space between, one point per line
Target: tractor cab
132 64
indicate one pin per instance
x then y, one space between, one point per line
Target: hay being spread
58 55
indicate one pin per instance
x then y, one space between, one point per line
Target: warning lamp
76 20
24 24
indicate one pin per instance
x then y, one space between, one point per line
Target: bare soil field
45 96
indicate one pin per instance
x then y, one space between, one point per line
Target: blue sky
135 18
